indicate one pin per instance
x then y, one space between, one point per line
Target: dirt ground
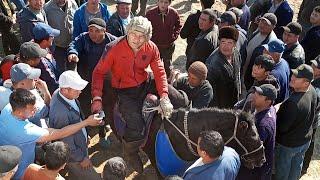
99 156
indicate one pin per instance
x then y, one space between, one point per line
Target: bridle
185 134
234 137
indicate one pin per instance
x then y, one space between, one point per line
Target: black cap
31 50
9 158
229 17
98 23
270 18
316 62
303 71
267 90
293 27
265 61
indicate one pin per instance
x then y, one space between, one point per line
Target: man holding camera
64 101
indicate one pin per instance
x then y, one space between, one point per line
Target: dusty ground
98 156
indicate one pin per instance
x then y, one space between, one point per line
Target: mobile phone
100 115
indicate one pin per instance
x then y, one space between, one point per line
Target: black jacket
225 79
200 96
115 25
295 118
310 44
205 43
190 29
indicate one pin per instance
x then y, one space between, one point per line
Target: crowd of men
75 60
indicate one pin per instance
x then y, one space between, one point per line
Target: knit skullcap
199 69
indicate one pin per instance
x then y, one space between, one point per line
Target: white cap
71 79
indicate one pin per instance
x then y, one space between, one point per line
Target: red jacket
164 33
127 69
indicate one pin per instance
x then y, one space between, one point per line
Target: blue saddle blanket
168 162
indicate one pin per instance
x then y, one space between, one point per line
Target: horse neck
217 120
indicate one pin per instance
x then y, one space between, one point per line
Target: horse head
247 137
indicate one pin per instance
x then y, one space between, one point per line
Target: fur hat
199 69
229 32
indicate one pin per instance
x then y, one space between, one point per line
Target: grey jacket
63 114
62 20
27 21
294 55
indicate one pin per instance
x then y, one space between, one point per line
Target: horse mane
242 115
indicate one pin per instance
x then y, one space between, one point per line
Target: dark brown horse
240 134
237 128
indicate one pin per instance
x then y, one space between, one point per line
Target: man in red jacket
127 59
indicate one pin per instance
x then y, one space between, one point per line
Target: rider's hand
166 107
73 58
96 106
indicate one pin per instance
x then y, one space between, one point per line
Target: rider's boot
131 156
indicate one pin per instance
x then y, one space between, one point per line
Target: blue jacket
63 114
225 168
245 17
79 22
88 52
282 73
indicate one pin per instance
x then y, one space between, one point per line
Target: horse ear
243 125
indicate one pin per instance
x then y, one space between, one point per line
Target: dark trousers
130 106
166 56
309 153
60 55
10 42
143 7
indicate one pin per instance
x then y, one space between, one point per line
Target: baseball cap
42 30
316 61
229 17
303 71
270 18
9 158
293 27
23 71
32 50
267 90
124 1
275 46
71 79
98 23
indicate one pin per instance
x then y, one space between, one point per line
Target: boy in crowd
263 65
44 35
166 28
265 116
310 41
293 52
55 157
